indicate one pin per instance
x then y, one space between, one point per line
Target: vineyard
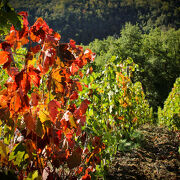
61 119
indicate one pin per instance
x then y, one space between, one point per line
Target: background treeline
157 53
85 20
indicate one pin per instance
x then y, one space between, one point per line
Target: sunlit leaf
74 68
44 115
4 57
15 103
82 109
30 121
53 109
3 101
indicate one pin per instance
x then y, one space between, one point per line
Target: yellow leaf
32 62
44 115
72 122
56 75
59 87
4 152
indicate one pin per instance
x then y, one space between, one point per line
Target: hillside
73 112
85 20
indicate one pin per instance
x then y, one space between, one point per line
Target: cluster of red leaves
42 95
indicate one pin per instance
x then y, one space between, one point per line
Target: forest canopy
85 20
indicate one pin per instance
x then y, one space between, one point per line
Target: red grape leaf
74 68
71 143
22 81
74 95
65 54
57 79
34 99
34 75
69 133
53 109
57 36
39 30
11 85
79 86
49 58
78 131
75 159
78 113
35 49
83 120
19 38
12 71
15 103
24 15
5 45
18 103
59 133
72 43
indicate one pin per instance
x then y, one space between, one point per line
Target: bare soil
157 158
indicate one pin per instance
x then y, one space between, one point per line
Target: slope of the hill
157 158
85 20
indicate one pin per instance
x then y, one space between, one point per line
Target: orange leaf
74 68
15 103
34 76
86 177
57 36
4 57
24 40
11 85
30 122
3 101
22 80
79 86
34 99
79 170
18 103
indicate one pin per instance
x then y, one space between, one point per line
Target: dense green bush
157 54
170 114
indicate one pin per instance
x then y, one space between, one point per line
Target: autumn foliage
42 123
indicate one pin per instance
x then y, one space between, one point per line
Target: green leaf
33 175
18 154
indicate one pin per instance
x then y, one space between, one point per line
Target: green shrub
170 114
118 106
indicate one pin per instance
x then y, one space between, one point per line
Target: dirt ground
157 158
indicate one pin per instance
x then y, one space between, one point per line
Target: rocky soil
157 158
